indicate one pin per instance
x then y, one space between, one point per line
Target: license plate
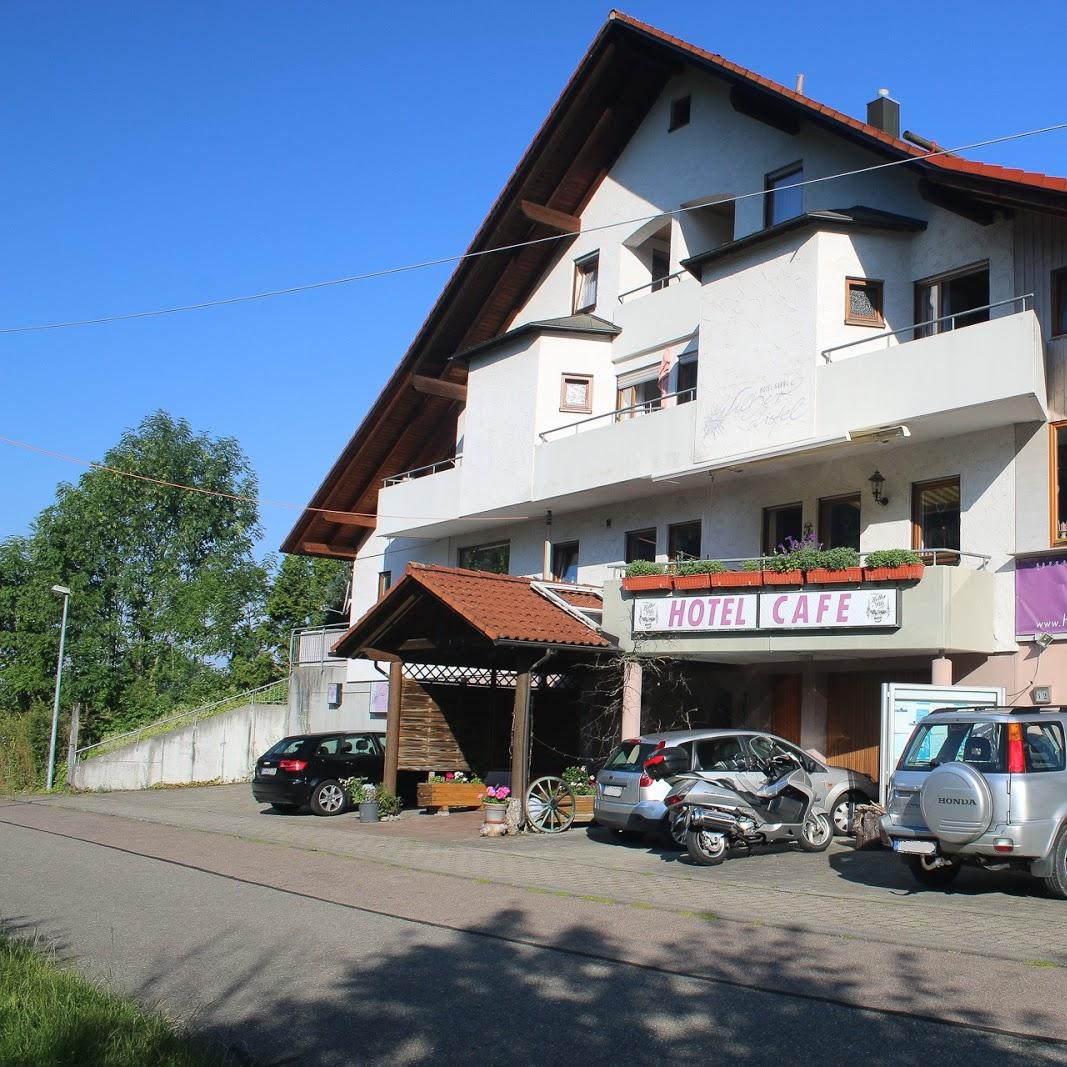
915 848
611 790
269 770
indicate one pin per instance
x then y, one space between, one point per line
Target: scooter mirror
667 763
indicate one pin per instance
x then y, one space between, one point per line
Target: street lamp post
64 592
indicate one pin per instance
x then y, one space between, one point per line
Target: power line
407 267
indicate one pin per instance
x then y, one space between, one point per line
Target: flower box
735 579
821 576
783 577
909 572
691 581
449 794
647 581
583 809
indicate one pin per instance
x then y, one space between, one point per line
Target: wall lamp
877 483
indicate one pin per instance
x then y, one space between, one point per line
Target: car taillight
1016 756
645 781
292 764
672 799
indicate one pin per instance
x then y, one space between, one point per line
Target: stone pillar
941 670
392 727
631 699
520 737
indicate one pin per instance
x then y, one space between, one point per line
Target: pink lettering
742 603
823 607
696 611
677 616
714 603
800 612
776 610
728 611
844 600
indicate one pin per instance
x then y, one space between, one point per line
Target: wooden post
520 737
632 674
392 727
72 745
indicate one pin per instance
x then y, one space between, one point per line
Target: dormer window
586 271
782 202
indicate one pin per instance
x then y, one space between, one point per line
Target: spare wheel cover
956 803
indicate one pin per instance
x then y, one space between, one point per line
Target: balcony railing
653 286
916 328
423 472
646 407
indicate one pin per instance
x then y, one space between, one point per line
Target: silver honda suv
983 786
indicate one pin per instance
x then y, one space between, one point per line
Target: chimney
884 113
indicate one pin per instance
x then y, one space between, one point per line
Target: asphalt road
295 979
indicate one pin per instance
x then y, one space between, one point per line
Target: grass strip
49 1015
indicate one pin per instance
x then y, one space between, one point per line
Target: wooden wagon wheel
550 805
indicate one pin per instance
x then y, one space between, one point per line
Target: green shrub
701 566
356 791
892 557
641 567
838 559
579 779
388 803
752 565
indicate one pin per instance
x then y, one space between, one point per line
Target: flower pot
821 576
908 572
495 814
368 811
737 579
447 795
647 581
692 581
583 808
783 577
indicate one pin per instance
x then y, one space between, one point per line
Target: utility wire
386 272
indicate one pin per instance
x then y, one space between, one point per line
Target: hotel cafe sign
823 609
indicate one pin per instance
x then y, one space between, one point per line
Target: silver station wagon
983 786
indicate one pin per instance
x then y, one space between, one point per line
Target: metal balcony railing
646 407
653 286
422 472
916 328
313 643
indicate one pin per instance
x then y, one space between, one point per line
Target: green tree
166 594
305 592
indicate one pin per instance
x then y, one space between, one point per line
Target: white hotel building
909 321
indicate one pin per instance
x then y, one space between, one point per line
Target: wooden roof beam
559 221
438 387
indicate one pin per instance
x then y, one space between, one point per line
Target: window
839 521
641 544
565 561
781 522
661 268
721 754
782 203
1043 746
576 393
863 302
638 398
328 746
952 295
629 756
586 270
687 380
385 582
1058 459
1059 302
495 558
683 540
360 745
936 515
680 109
980 744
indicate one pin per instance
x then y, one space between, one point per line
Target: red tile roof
949 163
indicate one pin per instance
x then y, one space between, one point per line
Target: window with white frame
586 272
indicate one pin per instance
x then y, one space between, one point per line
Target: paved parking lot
856 895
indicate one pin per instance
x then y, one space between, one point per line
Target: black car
309 768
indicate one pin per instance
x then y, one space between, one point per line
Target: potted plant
748 576
790 560
836 565
495 804
696 574
454 789
644 574
389 804
893 565
365 797
584 785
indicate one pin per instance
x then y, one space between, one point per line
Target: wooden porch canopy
451 616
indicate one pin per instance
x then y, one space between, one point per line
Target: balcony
420 500
651 317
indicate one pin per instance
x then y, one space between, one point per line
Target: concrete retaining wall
222 748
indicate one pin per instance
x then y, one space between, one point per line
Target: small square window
680 109
683 540
385 582
863 302
576 393
586 271
779 523
1059 302
565 561
641 544
784 199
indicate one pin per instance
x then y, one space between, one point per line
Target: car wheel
285 809
1056 882
674 830
329 798
705 847
816 833
927 874
843 813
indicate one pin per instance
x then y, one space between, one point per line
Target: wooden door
785 706
853 722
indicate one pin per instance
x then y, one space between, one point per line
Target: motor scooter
720 815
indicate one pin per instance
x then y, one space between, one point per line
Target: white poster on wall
829 609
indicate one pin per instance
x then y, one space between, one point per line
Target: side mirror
668 763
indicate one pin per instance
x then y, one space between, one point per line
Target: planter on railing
738 579
647 581
822 576
909 572
692 581
783 577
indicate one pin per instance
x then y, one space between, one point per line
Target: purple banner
1041 595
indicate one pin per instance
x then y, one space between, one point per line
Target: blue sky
165 153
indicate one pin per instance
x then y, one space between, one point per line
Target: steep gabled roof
616 82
